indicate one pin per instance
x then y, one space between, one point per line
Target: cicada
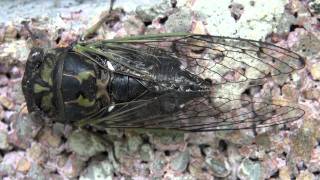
163 81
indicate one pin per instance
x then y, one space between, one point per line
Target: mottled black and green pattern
165 81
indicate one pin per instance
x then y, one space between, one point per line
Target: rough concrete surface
30 149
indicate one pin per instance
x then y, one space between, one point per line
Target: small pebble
85 143
133 26
305 175
181 162
315 160
146 153
11 32
315 71
198 28
167 140
10 163
101 170
39 173
312 94
219 167
180 21
4 145
149 13
23 165
23 131
250 170
6 102
284 173
48 137
37 153
304 141
290 92
314 6
157 165
134 143
196 166
72 167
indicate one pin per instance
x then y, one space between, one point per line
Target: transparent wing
221 59
207 113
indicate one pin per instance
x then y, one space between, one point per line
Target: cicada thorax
64 85
83 87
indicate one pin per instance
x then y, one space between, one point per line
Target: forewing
207 113
221 59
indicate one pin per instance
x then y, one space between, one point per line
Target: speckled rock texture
34 149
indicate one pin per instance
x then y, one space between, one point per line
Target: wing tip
302 62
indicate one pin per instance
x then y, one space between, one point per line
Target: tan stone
23 165
315 71
5 102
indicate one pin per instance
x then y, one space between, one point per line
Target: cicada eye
35 58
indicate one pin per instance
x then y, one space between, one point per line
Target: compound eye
36 58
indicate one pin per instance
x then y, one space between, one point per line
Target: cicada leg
107 17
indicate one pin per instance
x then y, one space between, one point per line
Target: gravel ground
34 150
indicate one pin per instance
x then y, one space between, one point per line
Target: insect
164 81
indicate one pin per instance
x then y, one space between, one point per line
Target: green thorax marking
82 76
82 101
37 88
46 72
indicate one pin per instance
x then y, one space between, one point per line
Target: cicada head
61 85
38 83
